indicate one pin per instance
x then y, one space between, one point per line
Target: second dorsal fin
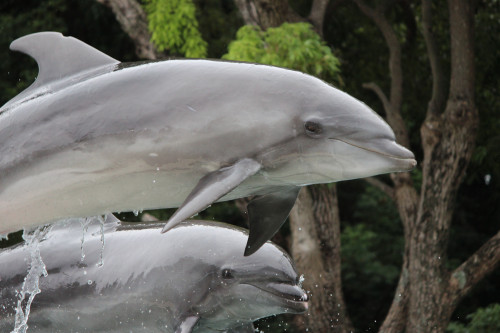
58 56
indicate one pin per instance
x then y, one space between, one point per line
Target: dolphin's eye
313 128
227 273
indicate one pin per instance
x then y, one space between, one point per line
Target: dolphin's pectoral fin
267 213
247 328
211 188
187 325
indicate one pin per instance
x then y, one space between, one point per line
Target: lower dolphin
178 282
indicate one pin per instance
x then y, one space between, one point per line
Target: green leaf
292 45
174 27
484 320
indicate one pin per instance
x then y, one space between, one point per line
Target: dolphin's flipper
187 325
211 188
266 214
248 328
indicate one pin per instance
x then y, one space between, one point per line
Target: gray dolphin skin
94 136
181 281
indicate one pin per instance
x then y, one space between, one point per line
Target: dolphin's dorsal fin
58 56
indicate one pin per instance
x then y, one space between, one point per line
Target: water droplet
101 219
301 280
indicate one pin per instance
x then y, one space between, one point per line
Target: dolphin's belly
89 182
120 318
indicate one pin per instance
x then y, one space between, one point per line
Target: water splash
101 219
301 280
31 281
85 226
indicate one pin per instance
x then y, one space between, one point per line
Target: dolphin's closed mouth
294 296
403 154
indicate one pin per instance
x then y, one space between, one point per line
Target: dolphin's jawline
288 297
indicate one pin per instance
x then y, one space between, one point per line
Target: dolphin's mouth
293 296
391 150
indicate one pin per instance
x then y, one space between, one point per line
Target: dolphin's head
244 289
333 137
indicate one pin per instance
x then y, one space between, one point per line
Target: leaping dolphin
94 136
182 281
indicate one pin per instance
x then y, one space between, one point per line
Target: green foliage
291 45
484 320
218 24
359 256
174 27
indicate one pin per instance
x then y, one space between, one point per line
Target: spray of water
85 226
30 287
101 219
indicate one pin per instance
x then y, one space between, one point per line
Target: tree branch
248 11
462 49
393 322
474 269
438 99
133 21
317 14
396 95
383 98
267 13
388 190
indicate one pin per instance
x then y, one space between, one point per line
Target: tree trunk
133 21
448 142
315 228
